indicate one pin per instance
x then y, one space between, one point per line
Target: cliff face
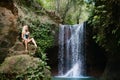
13 57
8 27
10 45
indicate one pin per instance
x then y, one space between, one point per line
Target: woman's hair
24 27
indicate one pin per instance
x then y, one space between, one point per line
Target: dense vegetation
105 24
40 72
70 11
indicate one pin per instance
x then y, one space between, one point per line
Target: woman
26 37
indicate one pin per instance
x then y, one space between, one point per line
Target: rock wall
8 27
14 60
9 31
11 47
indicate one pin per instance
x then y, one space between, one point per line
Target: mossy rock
19 49
27 66
18 63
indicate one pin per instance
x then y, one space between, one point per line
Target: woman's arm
22 36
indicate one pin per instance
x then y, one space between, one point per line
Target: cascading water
71 43
71 53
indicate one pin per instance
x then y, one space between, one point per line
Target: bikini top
26 35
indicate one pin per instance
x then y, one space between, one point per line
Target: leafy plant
106 26
42 34
37 73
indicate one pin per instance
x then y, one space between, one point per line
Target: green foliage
62 8
70 11
48 4
40 2
73 10
40 72
42 34
37 73
105 21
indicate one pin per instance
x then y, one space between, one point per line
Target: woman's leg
26 45
33 41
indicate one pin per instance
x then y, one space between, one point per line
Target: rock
18 64
9 44
8 27
19 49
8 31
9 4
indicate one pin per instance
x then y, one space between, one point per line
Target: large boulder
18 63
24 67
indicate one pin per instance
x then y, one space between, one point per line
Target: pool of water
72 78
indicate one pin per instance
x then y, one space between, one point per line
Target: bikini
26 35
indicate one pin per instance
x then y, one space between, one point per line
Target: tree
70 11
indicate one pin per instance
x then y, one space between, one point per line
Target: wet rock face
8 27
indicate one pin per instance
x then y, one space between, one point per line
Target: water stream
71 48
71 53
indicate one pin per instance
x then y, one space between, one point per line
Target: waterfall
71 49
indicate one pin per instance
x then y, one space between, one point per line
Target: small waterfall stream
71 50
